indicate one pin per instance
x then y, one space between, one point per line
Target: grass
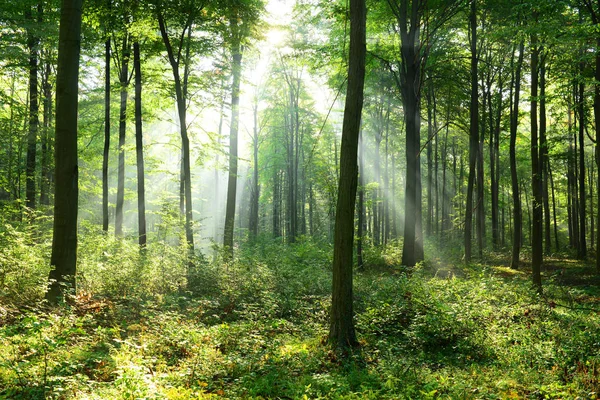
256 328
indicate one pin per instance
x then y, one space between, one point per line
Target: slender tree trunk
139 147
341 329
32 45
64 238
536 172
361 204
106 152
514 121
253 223
582 249
181 97
597 144
544 158
46 175
124 81
474 130
236 54
429 224
553 209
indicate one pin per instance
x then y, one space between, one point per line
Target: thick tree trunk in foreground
139 147
410 76
341 329
64 239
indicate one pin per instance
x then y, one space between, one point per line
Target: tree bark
181 98
32 45
341 329
139 147
64 239
474 130
536 172
582 249
124 82
236 66
514 121
106 152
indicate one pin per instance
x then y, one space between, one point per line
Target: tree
64 239
341 328
185 16
139 146
474 129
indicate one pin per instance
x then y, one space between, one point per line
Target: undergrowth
157 325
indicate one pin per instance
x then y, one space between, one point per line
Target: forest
299 199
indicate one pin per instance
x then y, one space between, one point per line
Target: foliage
254 328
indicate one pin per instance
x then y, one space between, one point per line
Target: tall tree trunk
582 249
410 76
553 208
597 144
106 152
361 204
255 194
236 66
64 238
139 147
536 172
276 205
544 158
514 121
474 130
124 81
181 90
32 45
341 329
429 224
46 175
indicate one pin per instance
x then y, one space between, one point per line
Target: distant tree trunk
429 218
276 205
474 130
597 144
514 121
536 172
46 138
106 152
139 147
124 81
341 329
361 204
386 187
553 208
32 45
64 238
375 192
253 223
544 158
445 195
236 67
582 249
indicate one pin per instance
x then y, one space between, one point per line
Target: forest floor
256 328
